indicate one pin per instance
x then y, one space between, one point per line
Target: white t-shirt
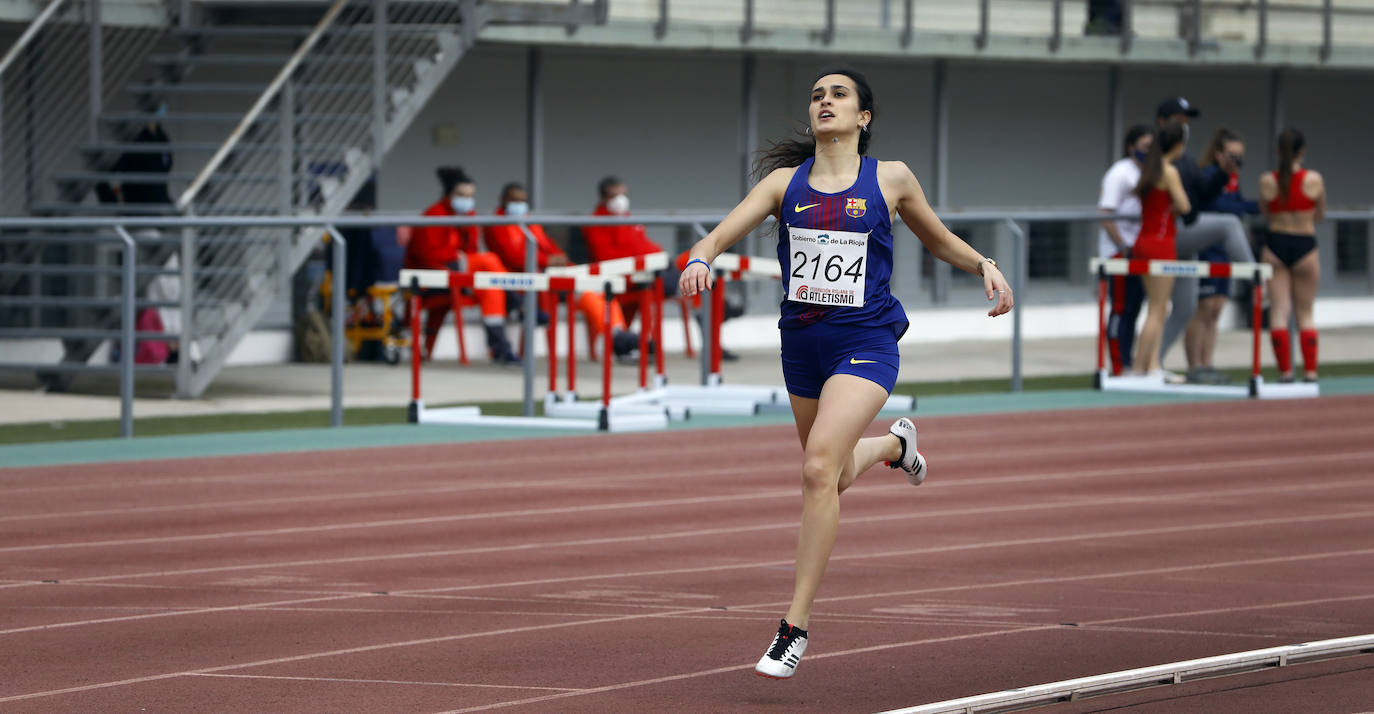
1118 196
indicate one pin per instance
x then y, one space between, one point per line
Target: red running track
646 573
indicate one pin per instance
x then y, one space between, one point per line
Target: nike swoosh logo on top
861 361
798 208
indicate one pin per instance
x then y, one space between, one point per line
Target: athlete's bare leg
869 452
1157 289
830 432
1306 274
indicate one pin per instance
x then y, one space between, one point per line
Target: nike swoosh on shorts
862 361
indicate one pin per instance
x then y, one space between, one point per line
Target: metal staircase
283 108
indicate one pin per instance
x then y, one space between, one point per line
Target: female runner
1293 199
840 323
1162 198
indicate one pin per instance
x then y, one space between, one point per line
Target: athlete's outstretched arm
761 202
917 214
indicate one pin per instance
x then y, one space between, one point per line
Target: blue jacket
1225 202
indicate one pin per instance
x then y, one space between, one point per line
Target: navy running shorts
1208 287
812 354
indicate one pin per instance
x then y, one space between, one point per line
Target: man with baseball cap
1200 229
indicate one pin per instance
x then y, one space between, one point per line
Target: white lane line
903 515
562 482
741 667
1239 608
565 480
694 500
367 468
739 566
733 436
382 681
685 611
822 655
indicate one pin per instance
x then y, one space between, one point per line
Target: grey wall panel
1332 111
1026 136
484 99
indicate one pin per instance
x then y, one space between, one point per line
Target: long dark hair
1220 139
1291 144
792 152
1132 136
1166 138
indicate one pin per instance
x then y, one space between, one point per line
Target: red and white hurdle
1257 273
606 417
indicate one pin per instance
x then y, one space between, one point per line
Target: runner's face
835 106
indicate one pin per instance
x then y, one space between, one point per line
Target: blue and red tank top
836 254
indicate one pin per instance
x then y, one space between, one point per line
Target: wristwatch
985 260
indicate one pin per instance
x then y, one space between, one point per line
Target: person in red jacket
508 243
610 242
457 248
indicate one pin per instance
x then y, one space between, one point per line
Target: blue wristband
697 260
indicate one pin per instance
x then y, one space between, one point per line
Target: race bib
827 266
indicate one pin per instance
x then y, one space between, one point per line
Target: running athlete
840 323
1161 197
1293 199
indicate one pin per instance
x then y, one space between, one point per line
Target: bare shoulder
1312 178
894 171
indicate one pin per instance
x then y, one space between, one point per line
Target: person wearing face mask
1199 228
457 248
1224 157
609 242
508 243
1116 238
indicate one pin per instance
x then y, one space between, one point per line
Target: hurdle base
1256 388
614 421
413 411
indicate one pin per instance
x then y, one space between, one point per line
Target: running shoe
783 656
911 461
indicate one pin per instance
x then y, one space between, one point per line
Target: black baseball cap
1176 105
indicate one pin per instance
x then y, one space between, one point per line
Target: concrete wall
1024 135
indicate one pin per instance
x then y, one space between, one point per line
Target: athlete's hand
997 289
695 278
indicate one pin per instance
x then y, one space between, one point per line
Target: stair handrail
268 95
29 33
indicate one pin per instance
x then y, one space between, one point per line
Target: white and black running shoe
912 461
783 656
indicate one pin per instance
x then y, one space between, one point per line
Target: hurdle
1257 273
713 396
606 417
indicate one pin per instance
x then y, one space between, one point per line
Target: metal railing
1320 23
54 83
1017 265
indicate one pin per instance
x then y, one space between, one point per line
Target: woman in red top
1161 198
508 243
456 248
1293 199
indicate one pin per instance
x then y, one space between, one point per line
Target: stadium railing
118 229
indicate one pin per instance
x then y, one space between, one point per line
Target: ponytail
1291 144
1166 138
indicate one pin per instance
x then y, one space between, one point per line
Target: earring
808 130
863 127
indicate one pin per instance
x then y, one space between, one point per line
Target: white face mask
462 204
517 208
619 203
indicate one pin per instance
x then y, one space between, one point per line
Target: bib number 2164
827 267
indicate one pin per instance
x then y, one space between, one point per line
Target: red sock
1308 340
1283 349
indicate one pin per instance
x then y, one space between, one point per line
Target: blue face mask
1139 156
517 208
462 204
